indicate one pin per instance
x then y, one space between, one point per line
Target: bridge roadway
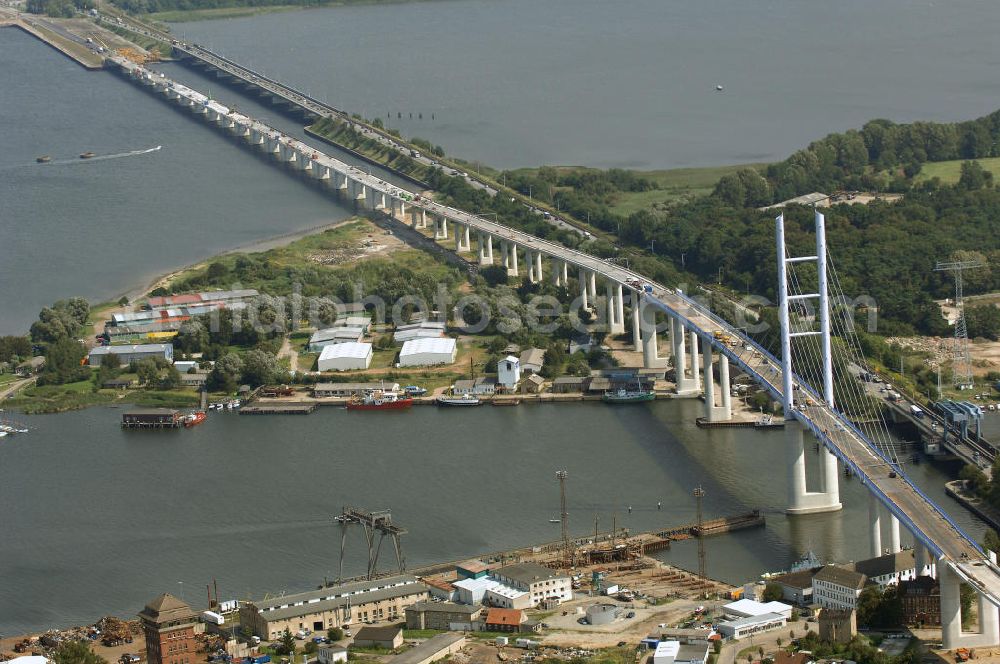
890 485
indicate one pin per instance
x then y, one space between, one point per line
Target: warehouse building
744 627
351 389
428 329
337 606
128 354
345 357
435 648
540 582
748 608
320 339
159 302
389 637
442 615
427 352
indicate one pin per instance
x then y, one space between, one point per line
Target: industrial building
509 372
159 302
482 386
345 357
748 608
427 352
485 590
330 654
796 587
128 354
503 620
320 339
168 625
424 330
531 360
337 606
675 652
540 582
442 615
351 389
744 627
602 614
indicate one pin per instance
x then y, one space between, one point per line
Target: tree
76 652
310 647
991 541
64 363
334 634
974 176
773 592
286 644
225 374
261 368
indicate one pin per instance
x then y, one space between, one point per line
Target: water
97 228
523 83
99 520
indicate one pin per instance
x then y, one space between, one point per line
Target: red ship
380 400
195 418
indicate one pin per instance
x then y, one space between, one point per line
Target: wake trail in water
103 157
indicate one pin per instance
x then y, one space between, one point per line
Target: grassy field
949 171
674 185
180 16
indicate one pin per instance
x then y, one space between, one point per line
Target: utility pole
699 493
561 475
961 360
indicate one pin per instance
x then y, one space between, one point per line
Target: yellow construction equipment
138 57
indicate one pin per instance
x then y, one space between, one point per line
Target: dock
279 409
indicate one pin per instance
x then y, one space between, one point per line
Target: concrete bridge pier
684 384
240 129
415 218
695 373
592 286
303 161
321 173
722 412
538 267
557 272
459 244
273 145
466 238
636 323
512 270
485 241
340 181
800 500
584 291
423 218
952 635
440 228
529 258
894 546
255 137
505 255
650 358
616 312
923 561
875 521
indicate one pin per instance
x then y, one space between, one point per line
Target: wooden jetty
278 409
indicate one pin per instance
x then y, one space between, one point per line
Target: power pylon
699 493
961 367
561 475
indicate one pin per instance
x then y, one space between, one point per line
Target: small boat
506 402
414 391
555 520
718 88
87 155
464 400
628 396
380 400
195 418
44 159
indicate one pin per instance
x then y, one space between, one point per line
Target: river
99 520
609 84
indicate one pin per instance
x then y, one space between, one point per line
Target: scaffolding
375 525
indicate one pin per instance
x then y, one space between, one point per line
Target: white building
427 329
890 569
539 581
491 592
509 372
744 627
345 357
427 352
335 335
482 386
837 587
666 652
329 654
128 354
748 608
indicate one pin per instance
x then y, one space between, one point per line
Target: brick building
921 600
169 625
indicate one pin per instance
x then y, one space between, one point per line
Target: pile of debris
115 631
938 349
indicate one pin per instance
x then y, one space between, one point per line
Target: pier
278 409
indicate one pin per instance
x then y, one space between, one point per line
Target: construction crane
561 475
699 493
372 524
961 367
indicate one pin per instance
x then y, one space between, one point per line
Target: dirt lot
375 243
985 354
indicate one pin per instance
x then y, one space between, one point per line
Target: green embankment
340 134
241 9
950 171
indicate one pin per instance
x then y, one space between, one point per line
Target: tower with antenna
961 367
561 475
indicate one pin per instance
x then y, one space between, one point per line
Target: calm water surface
631 84
98 520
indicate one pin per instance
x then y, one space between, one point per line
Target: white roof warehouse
129 354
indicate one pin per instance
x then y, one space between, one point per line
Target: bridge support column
714 413
415 218
458 238
695 372
683 384
894 546
565 274
381 203
952 635
423 218
513 271
800 500
466 239
557 272
650 359
875 519
830 477
440 228
538 267
505 254
922 561
584 291
725 386
592 286
618 325
636 332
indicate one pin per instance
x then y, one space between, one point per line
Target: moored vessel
464 400
628 396
380 400
87 155
195 418
44 159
